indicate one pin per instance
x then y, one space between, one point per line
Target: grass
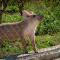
11 18
45 41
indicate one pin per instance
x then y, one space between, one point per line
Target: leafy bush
13 8
11 18
45 41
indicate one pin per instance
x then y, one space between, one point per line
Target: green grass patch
11 18
45 41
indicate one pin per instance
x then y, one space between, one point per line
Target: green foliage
11 18
51 23
9 49
45 41
13 8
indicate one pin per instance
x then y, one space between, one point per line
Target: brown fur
22 30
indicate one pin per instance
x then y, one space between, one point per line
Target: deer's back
10 32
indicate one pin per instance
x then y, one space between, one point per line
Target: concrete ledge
44 54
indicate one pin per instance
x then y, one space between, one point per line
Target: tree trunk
21 6
5 3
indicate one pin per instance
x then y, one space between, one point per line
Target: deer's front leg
33 42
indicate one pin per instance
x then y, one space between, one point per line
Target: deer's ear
27 13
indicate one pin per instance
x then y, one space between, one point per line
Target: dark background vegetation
48 31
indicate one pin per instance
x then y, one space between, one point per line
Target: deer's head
32 16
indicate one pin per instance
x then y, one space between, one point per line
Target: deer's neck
31 26
34 25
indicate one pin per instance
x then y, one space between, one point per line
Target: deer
22 30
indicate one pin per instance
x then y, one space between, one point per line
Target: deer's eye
34 15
